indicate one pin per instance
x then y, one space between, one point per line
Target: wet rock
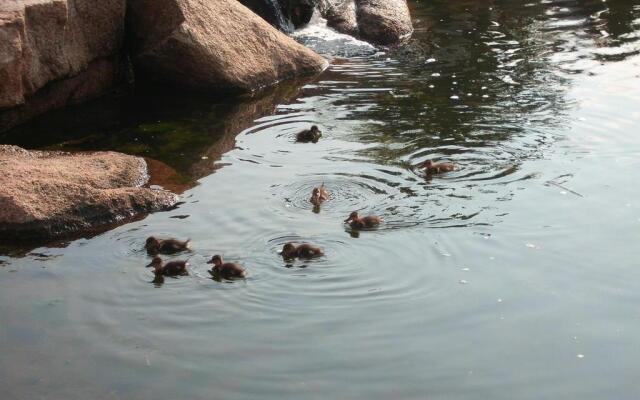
300 11
382 22
341 16
43 43
49 194
213 46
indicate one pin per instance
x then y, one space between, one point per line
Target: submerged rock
213 46
49 194
57 52
382 22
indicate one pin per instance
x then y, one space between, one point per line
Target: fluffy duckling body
309 135
172 268
304 250
437 168
166 246
319 195
358 222
226 270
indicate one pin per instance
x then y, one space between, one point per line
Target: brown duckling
318 195
166 246
436 168
358 222
172 268
309 135
304 250
225 270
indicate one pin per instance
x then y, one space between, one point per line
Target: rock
215 46
45 42
382 22
300 11
49 194
341 16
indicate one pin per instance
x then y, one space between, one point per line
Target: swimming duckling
304 250
358 222
309 135
225 270
172 268
318 195
166 246
436 168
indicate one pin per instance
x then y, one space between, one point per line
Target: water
514 277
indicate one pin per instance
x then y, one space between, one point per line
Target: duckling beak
210 262
149 265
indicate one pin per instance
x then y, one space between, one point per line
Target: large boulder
213 46
50 194
382 22
56 52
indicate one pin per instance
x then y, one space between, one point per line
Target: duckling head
427 164
288 250
215 260
152 244
156 262
315 196
353 216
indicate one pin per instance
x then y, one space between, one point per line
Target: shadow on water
181 135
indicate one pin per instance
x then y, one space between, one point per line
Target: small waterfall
324 40
282 22
272 12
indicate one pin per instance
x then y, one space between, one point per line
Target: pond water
514 277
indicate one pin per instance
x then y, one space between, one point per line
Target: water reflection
181 136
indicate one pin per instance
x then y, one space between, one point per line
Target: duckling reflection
309 135
156 246
224 270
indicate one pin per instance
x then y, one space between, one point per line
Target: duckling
318 195
358 222
436 168
309 135
166 246
172 268
304 250
226 270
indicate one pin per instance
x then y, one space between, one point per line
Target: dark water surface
515 277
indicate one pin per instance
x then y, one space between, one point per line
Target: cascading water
324 40
272 12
